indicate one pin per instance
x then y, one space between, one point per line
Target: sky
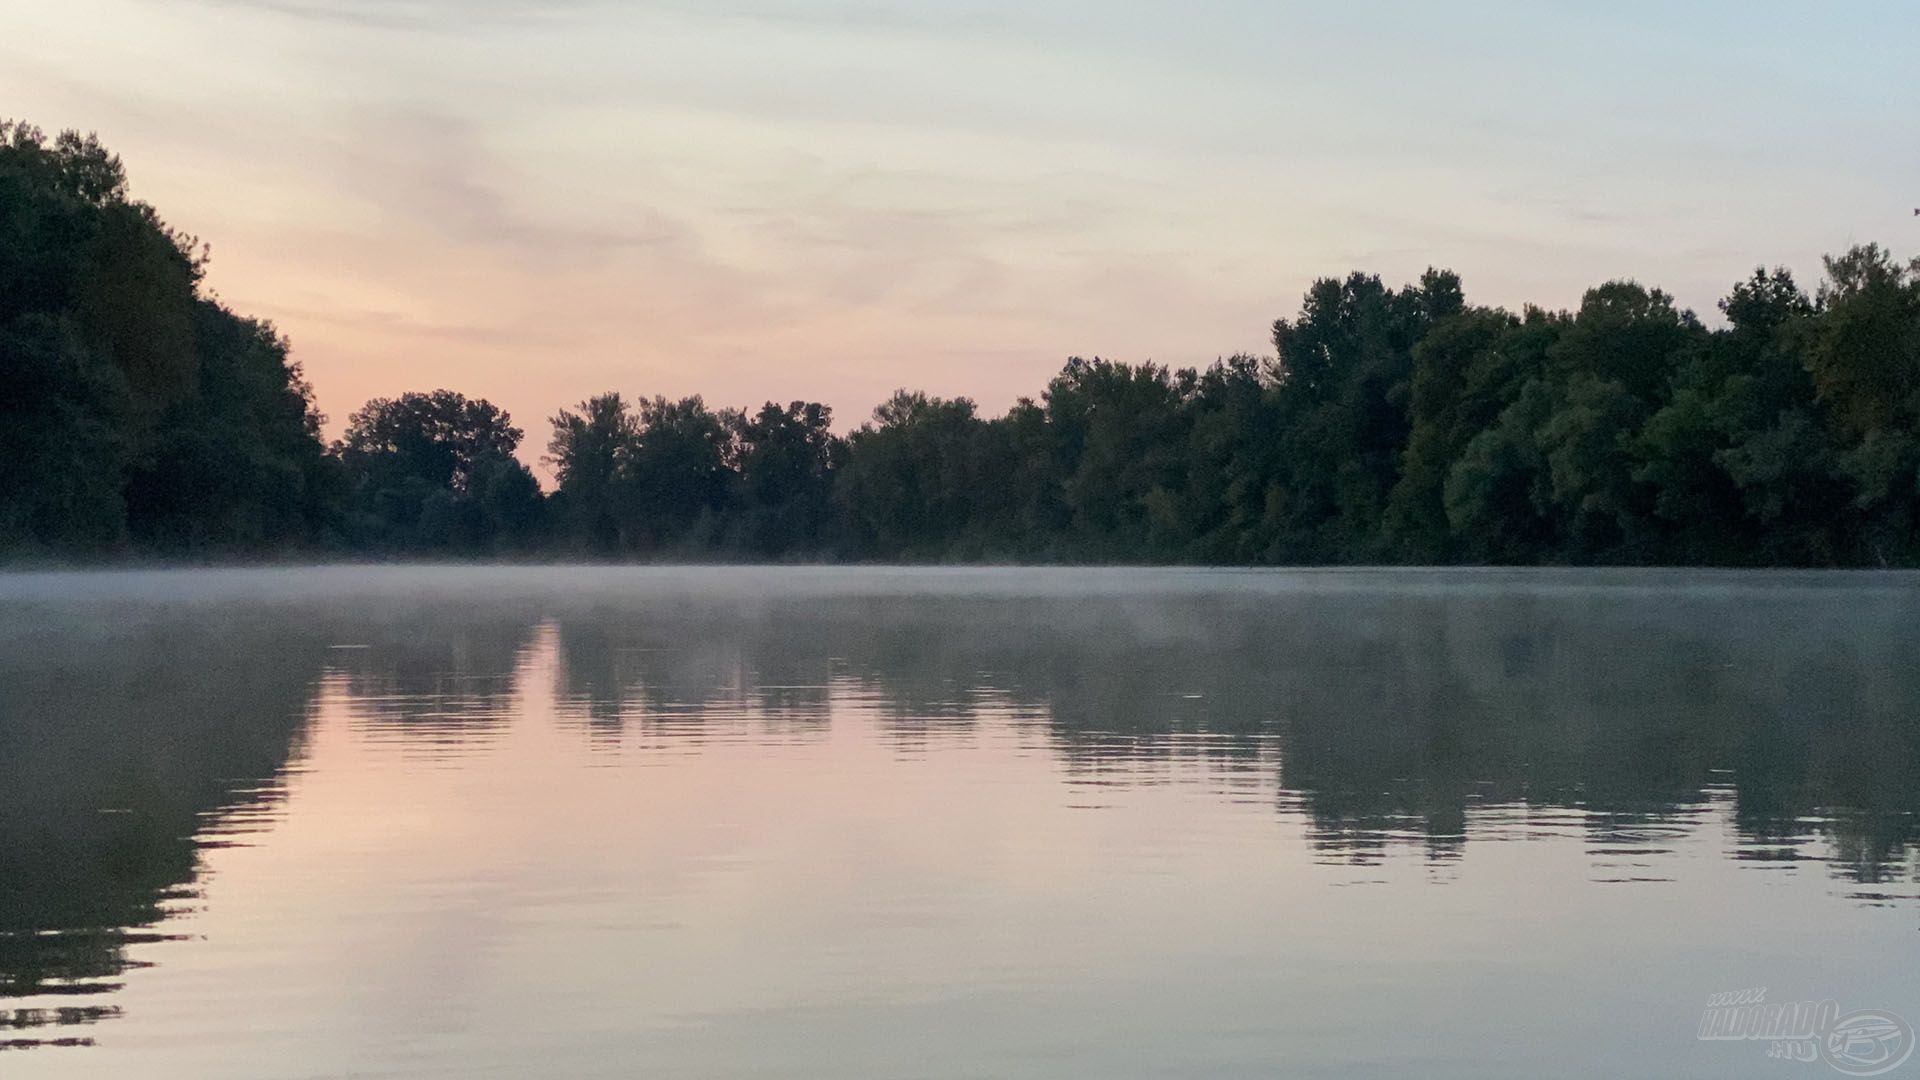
770 199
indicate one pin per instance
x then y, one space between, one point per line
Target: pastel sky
754 199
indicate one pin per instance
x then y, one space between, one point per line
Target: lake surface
424 822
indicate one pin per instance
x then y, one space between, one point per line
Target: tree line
139 414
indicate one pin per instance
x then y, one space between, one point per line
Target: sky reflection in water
725 822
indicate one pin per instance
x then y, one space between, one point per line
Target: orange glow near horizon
536 203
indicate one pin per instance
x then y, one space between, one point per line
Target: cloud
944 19
435 171
393 324
410 15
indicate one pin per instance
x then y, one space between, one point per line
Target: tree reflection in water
1398 712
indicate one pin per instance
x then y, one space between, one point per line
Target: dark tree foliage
656 479
682 474
786 459
1388 425
1345 374
239 462
436 473
135 412
914 478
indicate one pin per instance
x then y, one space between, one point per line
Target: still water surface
418 822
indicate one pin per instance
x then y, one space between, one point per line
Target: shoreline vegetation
143 423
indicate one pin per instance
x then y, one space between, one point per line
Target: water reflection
127 747
1378 718
438 683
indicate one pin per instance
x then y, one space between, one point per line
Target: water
463 823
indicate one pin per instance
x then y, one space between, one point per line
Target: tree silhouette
1388 425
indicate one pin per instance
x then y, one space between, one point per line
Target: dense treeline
1389 426
134 410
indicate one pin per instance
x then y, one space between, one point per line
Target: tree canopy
1388 425
136 411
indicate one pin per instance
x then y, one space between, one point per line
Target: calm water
766 823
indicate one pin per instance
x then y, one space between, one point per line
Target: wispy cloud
537 199
413 15
431 170
951 17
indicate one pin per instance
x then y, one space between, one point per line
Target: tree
1344 371
240 461
1230 460
1119 431
413 463
1497 497
914 478
1700 453
1864 353
681 473
1466 370
132 409
786 460
61 446
1629 335
590 452
1864 357
1392 424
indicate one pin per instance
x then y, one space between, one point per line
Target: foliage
1388 425
135 412
648 480
435 472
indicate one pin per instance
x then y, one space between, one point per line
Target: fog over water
457 821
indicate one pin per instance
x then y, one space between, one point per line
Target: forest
141 417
